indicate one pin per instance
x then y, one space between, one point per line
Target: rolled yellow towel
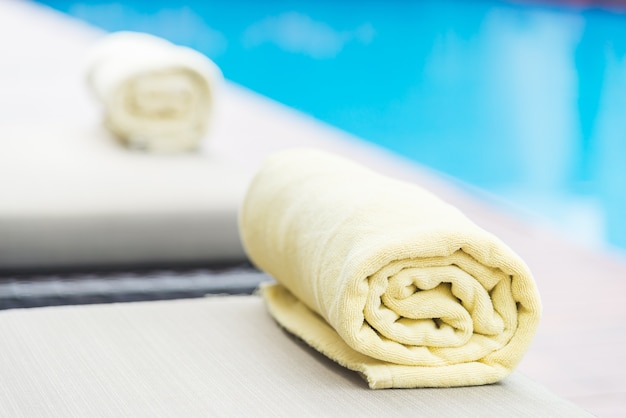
383 277
156 95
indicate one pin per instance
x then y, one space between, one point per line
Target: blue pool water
526 102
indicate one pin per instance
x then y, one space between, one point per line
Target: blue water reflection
527 102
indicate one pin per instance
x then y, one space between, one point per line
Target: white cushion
219 356
73 196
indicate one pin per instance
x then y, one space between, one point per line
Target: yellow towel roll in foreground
383 277
156 95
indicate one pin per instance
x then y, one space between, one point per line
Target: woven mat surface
78 288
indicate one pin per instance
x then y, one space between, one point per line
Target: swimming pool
526 102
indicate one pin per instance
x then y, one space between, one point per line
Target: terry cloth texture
156 95
384 277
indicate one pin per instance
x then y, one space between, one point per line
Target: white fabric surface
74 196
220 356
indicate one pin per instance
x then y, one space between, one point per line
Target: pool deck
580 350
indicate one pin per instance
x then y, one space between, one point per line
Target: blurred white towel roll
156 95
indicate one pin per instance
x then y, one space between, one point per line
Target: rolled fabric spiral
385 278
156 96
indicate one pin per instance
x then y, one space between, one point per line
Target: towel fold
156 96
385 278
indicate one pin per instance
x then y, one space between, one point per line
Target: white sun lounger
216 356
